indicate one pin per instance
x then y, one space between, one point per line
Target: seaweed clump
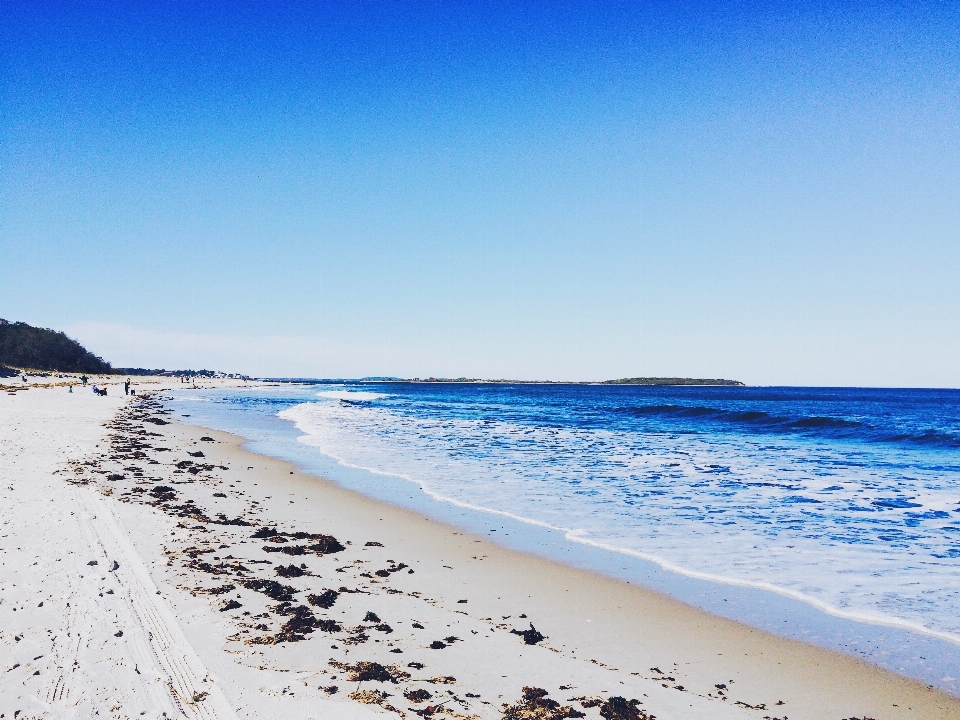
417 696
325 600
289 571
320 544
365 670
531 636
619 708
535 705
271 588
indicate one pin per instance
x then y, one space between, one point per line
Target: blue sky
767 192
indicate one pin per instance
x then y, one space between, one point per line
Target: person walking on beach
83 379
126 387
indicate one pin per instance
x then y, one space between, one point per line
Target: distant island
671 381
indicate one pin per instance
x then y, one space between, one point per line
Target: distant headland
671 381
26 346
29 350
654 381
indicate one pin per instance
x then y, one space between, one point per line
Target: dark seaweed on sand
303 621
221 590
163 492
325 600
321 544
364 670
326 545
289 571
271 588
287 549
531 636
329 626
417 696
535 705
619 708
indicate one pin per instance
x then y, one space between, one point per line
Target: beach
152 567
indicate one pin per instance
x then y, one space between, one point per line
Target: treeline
25 346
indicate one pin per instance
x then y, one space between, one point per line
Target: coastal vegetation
26 346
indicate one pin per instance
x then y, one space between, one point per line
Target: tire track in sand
190 685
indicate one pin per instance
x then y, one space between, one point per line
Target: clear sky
761 191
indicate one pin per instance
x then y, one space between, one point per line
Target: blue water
846 501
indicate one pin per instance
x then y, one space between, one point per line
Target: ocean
827 514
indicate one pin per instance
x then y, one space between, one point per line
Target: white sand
603 637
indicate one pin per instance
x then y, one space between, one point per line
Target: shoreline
603 636
906 650
692 616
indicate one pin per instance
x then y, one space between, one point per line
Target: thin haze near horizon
758 191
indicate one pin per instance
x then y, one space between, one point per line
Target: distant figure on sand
83 379
126 387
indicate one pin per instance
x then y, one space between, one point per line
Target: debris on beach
417 696
271 588
365 670
619 708
531 636
535 705
372 697
289 571
324 600
586 701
